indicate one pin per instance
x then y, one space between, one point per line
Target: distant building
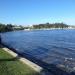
16 27
71 27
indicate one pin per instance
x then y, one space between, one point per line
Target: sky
28 12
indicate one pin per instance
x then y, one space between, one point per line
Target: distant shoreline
48 29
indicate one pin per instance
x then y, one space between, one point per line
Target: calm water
50 46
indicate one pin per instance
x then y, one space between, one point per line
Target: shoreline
50 29
34 66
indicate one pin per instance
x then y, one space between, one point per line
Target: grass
9 66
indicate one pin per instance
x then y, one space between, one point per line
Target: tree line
48 25
5 28
9 27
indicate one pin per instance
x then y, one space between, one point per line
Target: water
55 47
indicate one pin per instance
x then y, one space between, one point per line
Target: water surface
50 46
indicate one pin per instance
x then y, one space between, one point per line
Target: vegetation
4 27
47 25
9 27
9 66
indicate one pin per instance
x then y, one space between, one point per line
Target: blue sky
27 12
